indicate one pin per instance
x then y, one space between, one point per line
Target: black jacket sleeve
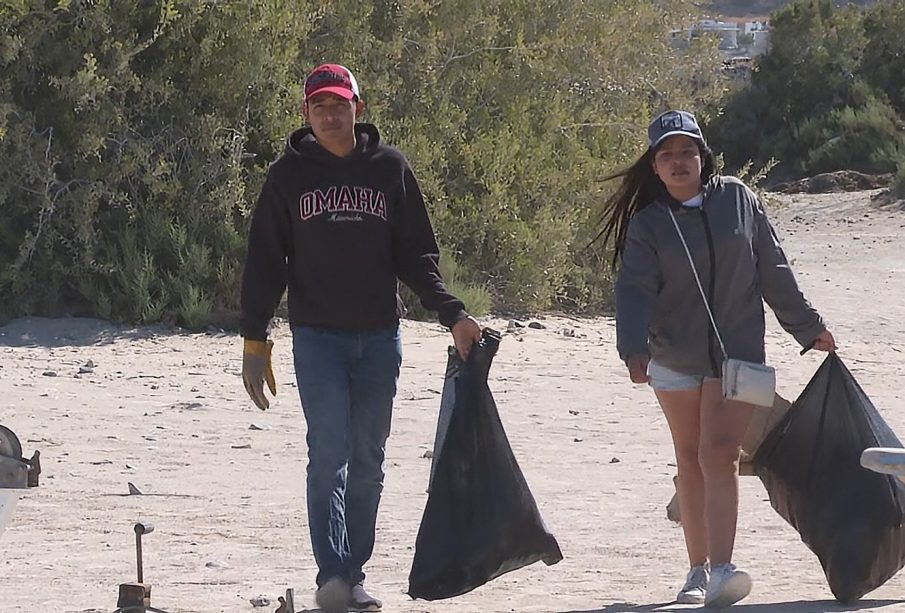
266 268
417 255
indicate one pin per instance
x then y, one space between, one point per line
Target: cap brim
342 92
663 137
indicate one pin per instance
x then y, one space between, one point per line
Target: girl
665 335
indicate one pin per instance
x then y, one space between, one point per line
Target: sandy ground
166 411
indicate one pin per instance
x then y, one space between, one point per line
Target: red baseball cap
333 79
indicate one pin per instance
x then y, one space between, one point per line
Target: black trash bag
481 520
851 517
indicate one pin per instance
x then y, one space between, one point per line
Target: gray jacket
659 310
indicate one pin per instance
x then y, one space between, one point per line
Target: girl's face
678 164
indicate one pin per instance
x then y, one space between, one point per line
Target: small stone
134 491
577 440
216 564
428 454
615 461
259 427
243 446
537 325
49 373
260 601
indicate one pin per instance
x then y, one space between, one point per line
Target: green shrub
755 179
477 298
194 308
898 187
865 140
883 62
134 137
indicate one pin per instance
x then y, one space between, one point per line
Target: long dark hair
640 186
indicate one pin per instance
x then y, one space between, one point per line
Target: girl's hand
825 341
637 368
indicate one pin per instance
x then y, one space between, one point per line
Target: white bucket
8 500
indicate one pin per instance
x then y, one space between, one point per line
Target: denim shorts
666 380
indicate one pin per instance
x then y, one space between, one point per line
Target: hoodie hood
303 143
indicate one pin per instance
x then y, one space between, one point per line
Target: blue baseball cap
671 123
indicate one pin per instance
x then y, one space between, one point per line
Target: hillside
746 8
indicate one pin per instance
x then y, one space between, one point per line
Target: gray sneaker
727 586
333 596
695 589
362 601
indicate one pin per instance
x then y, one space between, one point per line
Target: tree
133 139
883 62
134 136
511 111
810 103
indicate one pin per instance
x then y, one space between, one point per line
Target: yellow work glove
256 368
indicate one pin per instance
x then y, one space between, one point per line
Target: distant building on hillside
756 37
726 30
750 27
744 38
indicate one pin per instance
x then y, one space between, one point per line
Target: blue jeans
347 382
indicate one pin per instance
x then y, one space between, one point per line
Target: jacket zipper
711 292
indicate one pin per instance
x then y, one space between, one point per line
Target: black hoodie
340 232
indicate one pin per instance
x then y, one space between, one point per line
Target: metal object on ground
287 604
885 460
16 473
141 529
8 501
9 443
136 597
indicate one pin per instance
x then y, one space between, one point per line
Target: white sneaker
333 596
695 588
727 586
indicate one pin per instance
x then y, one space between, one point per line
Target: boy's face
331 117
